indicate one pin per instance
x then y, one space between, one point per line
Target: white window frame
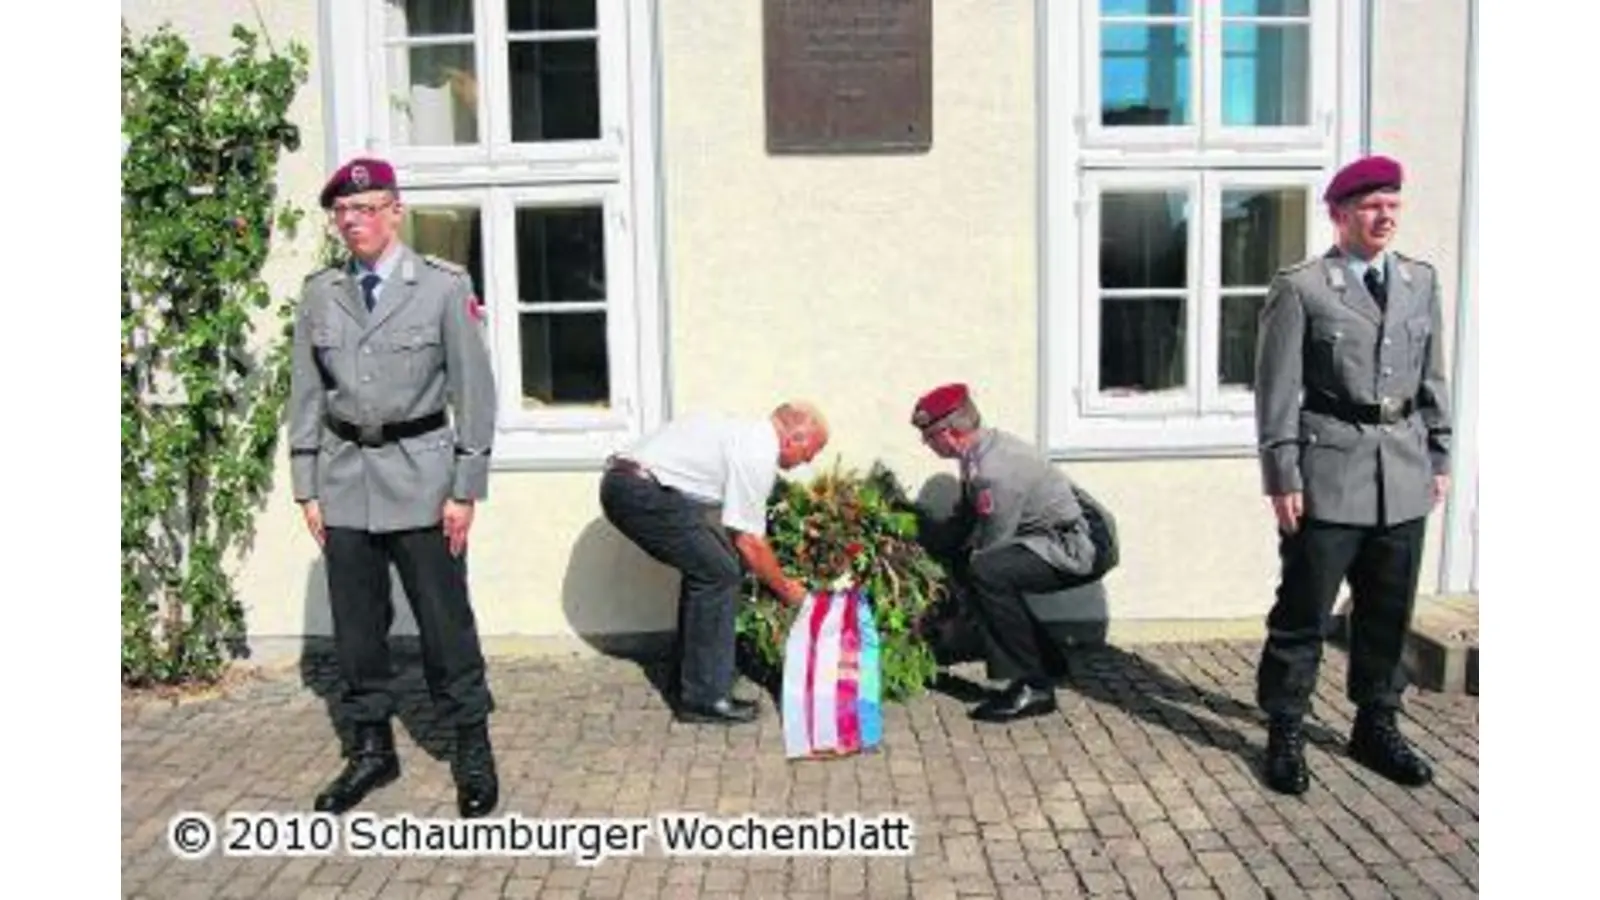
618 171
1206 133
1167 403
1319 235
1078 159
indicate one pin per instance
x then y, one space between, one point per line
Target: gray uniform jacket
419 348
1323 334
1018 497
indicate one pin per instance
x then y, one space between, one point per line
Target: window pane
561 255
1263 230
1266 75
433 95
1144 239
415 18
1141 344
555 91
454 233
550 15
1236 364
1273 8
564 360
1144 74
1144 7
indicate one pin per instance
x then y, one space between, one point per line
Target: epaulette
1413 260
445 264
1300 266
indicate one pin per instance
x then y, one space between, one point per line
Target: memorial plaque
849 76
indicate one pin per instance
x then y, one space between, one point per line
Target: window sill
1087 438
525 450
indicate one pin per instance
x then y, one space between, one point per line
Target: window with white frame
522 136
1186 144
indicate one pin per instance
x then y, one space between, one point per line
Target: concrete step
1442 649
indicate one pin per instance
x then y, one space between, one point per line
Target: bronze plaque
849 76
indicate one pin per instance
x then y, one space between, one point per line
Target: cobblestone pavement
1143 786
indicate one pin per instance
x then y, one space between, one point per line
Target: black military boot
1286 770
477 785
1020 700
1376 743
372 763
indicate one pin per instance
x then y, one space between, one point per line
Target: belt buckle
371 435
1388 410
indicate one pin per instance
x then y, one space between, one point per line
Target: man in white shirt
679 495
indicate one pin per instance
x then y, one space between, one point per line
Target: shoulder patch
445 264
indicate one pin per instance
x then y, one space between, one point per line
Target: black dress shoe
477 784
1019 701
1286 770
725 711
371 765
1376 743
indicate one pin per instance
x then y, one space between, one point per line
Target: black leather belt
388 433
1388 412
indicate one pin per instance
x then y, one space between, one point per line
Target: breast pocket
1331 350
1419 330
418 350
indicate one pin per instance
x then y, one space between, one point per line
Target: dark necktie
1375 287
369 284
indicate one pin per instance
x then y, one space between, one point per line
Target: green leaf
193 477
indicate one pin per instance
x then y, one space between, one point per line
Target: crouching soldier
1028 534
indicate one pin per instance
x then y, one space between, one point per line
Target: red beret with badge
938 404
357 177
1365 175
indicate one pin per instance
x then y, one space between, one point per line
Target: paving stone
1144 786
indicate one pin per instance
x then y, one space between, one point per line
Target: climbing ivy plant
205 347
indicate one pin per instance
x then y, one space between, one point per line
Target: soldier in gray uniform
1354 426
381 346
1029 535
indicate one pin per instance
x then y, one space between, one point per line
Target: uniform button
368 350
1388 371
1387 342
366 378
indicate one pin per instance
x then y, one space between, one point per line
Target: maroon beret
1365 175
939 403
358 176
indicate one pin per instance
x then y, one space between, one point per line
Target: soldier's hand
1288 508
457 522
313 513
1441 488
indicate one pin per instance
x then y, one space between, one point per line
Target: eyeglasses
361 210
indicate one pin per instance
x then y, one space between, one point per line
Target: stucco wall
1419 116
857 282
